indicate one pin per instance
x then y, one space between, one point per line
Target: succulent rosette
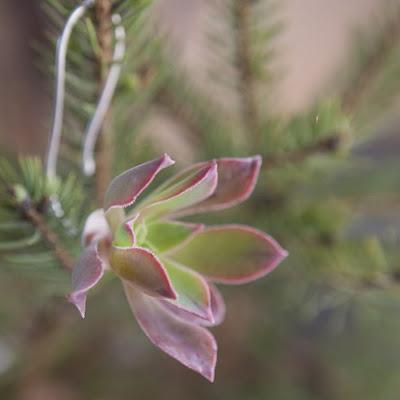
168 268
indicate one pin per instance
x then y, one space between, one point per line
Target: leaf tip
167 161
79 301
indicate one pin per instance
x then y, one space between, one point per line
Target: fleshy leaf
124 236
165 235
237 178
190 344
87 273
190 190
125 188
193 293
218 310
230 254
96 228
142 268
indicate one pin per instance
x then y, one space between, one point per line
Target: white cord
62 47
94 127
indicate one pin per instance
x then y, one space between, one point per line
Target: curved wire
61 56
94 127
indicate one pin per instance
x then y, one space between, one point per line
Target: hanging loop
61 57
94 126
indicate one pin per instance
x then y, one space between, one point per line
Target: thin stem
104 32
61 59
94 127
50 237
354 95
242 20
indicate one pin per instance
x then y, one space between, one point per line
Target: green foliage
36 216
370 85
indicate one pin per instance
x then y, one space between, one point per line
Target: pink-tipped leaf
141 267
125 188
189 190
218 310
190 344
193 292
124 235
86 274
237 178
231 254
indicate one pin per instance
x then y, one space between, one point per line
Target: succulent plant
168 268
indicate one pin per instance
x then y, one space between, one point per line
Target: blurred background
314 87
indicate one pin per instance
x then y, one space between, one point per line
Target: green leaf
165 235
231 254
193 293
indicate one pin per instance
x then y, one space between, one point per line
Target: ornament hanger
94 126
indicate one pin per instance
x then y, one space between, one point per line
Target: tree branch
353 96
242 9
50 238
103 23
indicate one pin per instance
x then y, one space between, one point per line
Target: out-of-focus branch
352 97
50 238
242 21
104 31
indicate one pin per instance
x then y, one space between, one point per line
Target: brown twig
102 14
50 237
242 9
353 96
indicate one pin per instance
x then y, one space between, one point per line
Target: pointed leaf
193 293
184 193
87 273
231 254
218 310
142 268
124 236
124 189
191 345
218 307
165 235
237 178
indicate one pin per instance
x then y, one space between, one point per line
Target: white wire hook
94 126
61 57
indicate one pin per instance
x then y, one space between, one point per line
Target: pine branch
50 237
105 39
249 109
376 61
25 197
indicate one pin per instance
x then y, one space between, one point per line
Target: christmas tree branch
242 22
353 96
104 32
49 237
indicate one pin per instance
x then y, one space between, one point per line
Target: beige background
312 47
